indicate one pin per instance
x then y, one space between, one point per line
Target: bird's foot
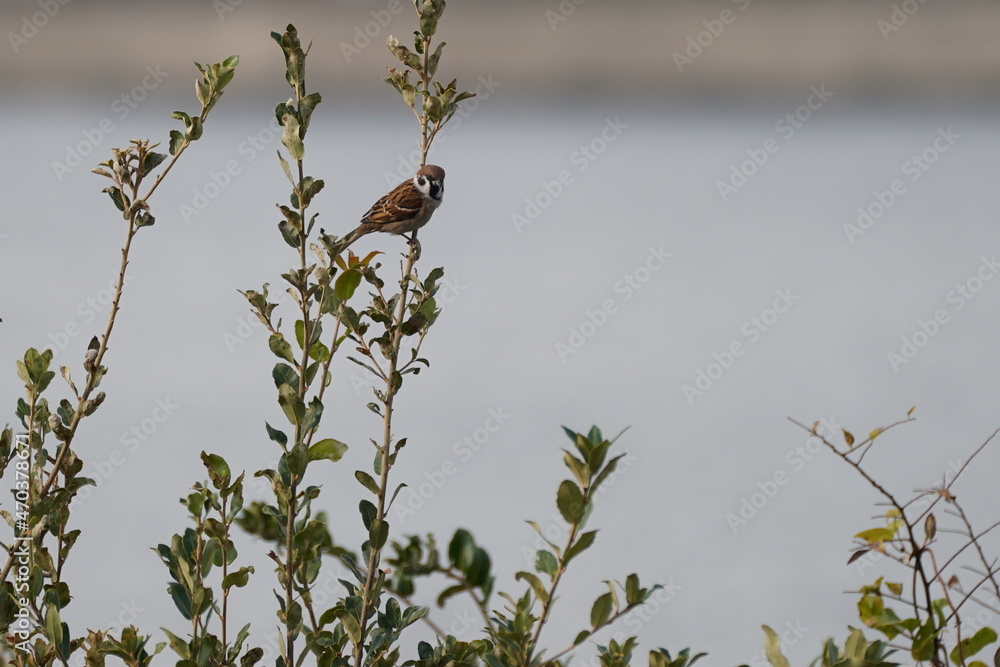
415 247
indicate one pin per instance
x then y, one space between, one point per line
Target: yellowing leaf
772 648
875 535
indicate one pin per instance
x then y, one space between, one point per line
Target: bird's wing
399 204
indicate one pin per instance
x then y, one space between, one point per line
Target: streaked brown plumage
406 208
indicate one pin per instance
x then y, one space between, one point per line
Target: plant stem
103 344
386 447
547 604
224 616
480 604
397 337
611 619
290 564
916 549
91 378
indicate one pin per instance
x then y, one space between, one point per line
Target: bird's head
429 180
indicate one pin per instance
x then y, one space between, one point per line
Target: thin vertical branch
385 448
547 604
292 501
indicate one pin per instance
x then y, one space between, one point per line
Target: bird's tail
346 241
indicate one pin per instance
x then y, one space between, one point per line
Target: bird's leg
414 243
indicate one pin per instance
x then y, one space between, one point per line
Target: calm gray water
696 274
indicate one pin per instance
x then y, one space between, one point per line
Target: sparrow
406 208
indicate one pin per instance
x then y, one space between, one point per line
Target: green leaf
120 200
300 334
218 469
462 549
414 324
290 137
302 196
449 592
478 572
394 494
425 651
144 219
178 645
177 142
349 562
329 449
291 404
634 594
351 626
923 641
284 374
393 614
181 599
973 645
435 275
346 284
403 54
428 24
601 611
239 579
285 168
608 470
53 625
538 529
582 543
306 106
378 533
202 92
22 372
546 563
194 130
366 480
152 161
536 585
772 648
579 468
570 501
281 347
434 59
226 75
597 455
276 435
368 513
854 646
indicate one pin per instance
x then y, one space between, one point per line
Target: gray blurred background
640 189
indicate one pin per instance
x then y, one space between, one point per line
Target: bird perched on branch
406 208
